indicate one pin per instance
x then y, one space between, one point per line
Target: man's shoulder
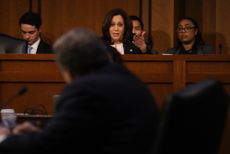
130 48
44 47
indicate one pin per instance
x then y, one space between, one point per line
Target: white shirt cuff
2 138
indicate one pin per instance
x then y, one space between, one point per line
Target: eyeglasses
185 29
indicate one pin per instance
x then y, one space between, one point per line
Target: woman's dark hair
198 37
107 23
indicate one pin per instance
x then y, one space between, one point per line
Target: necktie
29 50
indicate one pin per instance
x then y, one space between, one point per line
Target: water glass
8 117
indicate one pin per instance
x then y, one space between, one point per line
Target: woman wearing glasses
189 39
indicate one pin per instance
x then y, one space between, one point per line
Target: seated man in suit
30 27
139 39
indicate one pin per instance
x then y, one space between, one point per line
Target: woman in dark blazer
117 32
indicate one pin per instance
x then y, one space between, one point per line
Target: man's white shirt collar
35 46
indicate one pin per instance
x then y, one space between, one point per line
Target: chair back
9 44
193 120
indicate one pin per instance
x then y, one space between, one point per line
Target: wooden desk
163 74
37 120
37 72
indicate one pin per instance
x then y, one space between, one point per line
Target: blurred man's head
80 52
30 24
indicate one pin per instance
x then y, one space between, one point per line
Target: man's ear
67 76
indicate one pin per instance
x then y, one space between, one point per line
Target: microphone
220 48
20 92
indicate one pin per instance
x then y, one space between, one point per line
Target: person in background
189 39
104 108
139 33
117 32
30 27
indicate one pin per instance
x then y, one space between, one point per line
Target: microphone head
220 48
22 91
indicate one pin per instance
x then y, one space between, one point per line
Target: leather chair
193 120
9 44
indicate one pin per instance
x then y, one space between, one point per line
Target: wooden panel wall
222 25
162 24
10 11
75 13
160 17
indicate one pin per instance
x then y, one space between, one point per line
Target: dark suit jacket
106 112
202 49
44 47
130 48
